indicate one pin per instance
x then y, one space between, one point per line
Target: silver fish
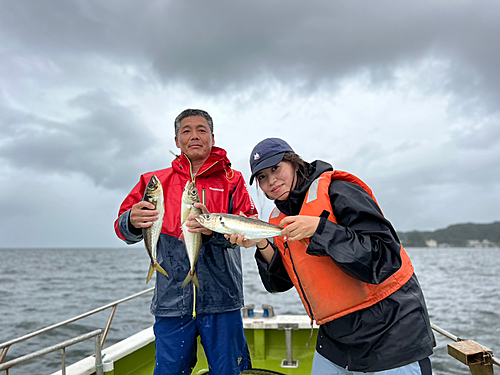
192 240
154 194
253 229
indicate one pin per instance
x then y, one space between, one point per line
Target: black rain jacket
392 333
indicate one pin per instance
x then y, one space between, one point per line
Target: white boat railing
62 346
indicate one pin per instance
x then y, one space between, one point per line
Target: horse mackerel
233 224
154 194
192 241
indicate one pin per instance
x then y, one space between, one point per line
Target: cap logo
256 156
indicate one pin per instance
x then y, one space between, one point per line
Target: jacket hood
217 161
293 204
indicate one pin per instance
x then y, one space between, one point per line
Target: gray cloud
222 44
84 86
108 144
485 136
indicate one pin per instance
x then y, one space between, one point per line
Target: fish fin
160 269
184 215
229 229
150 273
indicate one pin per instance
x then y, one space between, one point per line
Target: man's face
194 138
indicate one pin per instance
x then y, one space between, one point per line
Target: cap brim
267 163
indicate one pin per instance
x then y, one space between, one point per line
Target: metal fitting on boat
268 311
248 311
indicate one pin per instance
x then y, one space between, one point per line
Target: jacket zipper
298 279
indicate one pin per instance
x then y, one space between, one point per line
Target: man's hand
299 227
143 214
193 225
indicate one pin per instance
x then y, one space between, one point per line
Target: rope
102 362
311 336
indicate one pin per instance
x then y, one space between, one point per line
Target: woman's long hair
298 164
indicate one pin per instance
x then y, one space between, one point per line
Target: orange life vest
326 291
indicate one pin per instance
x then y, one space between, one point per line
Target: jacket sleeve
363 243
123 228
273 275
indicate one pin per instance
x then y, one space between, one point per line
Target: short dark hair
192 112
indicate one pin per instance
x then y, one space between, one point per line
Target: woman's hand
299 227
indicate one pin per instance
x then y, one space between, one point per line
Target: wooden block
468 352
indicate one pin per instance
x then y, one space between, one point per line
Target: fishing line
193 178
194 301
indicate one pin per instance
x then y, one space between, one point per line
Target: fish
154 194
253 229
192 241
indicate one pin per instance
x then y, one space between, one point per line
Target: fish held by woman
192 241
154 194
233 224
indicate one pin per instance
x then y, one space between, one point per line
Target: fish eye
207 216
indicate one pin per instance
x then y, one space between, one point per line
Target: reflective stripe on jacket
327 291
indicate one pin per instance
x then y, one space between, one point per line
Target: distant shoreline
467 235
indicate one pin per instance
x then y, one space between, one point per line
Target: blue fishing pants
222 338
322 366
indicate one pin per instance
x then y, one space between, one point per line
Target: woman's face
276 182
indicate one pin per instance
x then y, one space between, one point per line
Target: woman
346 262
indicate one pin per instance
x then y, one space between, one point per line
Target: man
220 298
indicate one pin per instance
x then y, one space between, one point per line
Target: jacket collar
217 161
293 204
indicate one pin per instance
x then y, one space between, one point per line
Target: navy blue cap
267 153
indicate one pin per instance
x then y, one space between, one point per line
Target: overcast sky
405 95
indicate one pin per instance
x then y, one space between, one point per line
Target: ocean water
40 287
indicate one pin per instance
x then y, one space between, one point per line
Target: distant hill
457 235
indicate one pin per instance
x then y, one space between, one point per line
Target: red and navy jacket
222 190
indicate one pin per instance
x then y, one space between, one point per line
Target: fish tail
155 266
160 268
195 281
191 277
150 273
188 278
